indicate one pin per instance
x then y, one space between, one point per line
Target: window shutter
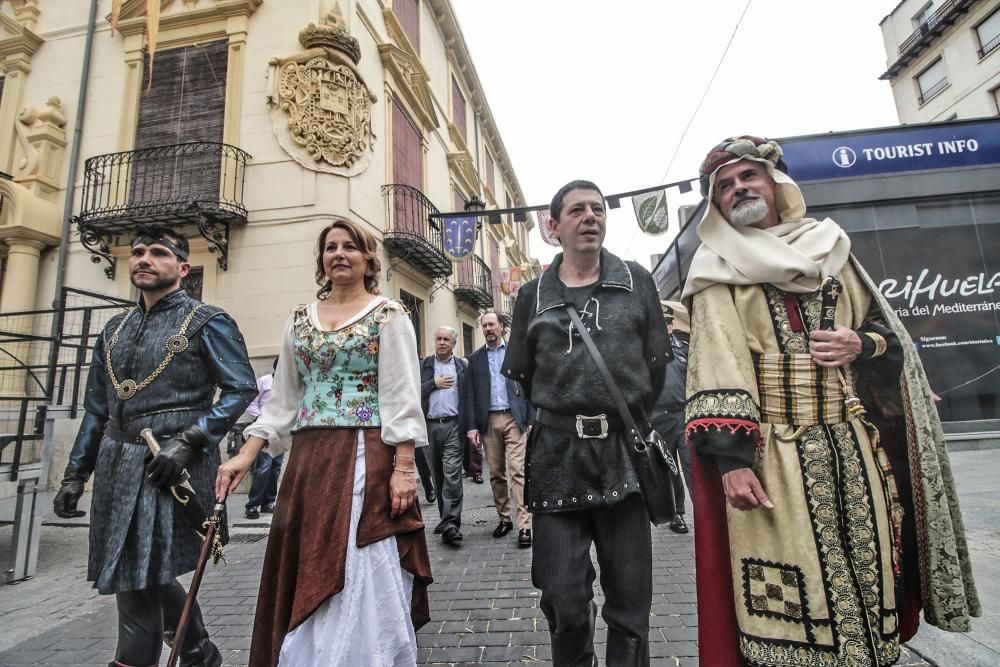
407 169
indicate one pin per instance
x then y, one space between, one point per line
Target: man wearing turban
827 514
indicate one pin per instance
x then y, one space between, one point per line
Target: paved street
484 608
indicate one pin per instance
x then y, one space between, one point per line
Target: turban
737 147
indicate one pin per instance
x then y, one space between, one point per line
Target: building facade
251 126
943 59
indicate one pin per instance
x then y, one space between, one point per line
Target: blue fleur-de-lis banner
459 236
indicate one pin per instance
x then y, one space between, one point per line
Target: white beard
749 213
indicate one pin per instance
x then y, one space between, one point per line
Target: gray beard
749 214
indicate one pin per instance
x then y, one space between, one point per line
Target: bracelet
409 470
400 456
880 344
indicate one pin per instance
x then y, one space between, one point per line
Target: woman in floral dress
346 570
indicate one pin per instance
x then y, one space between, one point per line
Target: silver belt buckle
604 426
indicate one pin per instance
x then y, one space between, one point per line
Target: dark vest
180 394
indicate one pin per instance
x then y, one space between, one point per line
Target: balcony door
407 169
185 105
464 270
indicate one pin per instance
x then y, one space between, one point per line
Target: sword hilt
154 447
829 292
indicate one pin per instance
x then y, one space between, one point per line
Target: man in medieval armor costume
810 413
156 366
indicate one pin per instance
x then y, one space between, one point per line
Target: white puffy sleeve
278 416
399 383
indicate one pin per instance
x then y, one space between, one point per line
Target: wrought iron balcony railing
474 284
989 47
946 15
197 184
933 91
412 235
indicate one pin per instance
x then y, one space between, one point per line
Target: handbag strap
609 381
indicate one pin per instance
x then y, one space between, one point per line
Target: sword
208 528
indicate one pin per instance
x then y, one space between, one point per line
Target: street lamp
475 205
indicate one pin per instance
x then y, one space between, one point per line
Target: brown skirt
307 547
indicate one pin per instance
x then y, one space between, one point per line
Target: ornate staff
207 528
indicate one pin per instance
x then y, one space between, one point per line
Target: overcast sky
603 90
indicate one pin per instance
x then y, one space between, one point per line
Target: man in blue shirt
441 383
500 419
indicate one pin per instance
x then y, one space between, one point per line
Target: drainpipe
74 158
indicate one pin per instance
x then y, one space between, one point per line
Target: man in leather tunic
581 486
167 355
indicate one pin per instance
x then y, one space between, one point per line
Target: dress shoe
678 525
524 538
477 478
504 527
267 509
252 513
431 496
438 529
452 535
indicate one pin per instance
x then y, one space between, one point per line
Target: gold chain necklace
127 388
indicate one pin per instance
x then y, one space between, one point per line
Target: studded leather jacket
623 316
166 364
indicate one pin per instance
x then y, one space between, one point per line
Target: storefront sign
848 155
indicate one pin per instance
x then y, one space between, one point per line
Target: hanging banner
651 212
510 280
544 229
459 236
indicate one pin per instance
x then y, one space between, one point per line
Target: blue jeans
264 487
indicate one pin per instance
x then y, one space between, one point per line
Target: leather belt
499 412
584 426
442 420
133 438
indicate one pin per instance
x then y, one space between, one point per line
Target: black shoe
267 509
477 478
438 529
678 525
431 496
524 538
452 535
252 513
504 527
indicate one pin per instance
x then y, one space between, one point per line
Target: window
932 81
468 340
408 13
995 94
921 17
490 170
458 107
407 169
194 281
495 270
416 309
989 34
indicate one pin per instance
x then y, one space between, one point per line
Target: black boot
626 651
575 648
198 649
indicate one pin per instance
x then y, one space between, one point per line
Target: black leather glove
176 454
70 490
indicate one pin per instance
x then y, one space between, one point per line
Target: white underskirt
368 623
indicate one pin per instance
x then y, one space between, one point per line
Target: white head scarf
794 256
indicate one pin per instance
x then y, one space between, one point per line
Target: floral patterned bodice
340 370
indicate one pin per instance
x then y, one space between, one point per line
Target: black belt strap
590 424
125 436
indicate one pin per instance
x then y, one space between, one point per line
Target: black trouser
561 568
424 469
670 424
147 617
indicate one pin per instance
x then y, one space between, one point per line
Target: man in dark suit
500 418
442 376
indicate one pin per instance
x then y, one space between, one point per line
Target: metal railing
474 282
160 184
989 47
38 369
933 91
925 33
933 22
412 234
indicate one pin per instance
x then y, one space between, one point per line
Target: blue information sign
847 155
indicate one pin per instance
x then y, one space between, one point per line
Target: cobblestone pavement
484 608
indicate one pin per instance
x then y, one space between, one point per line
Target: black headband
163 241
